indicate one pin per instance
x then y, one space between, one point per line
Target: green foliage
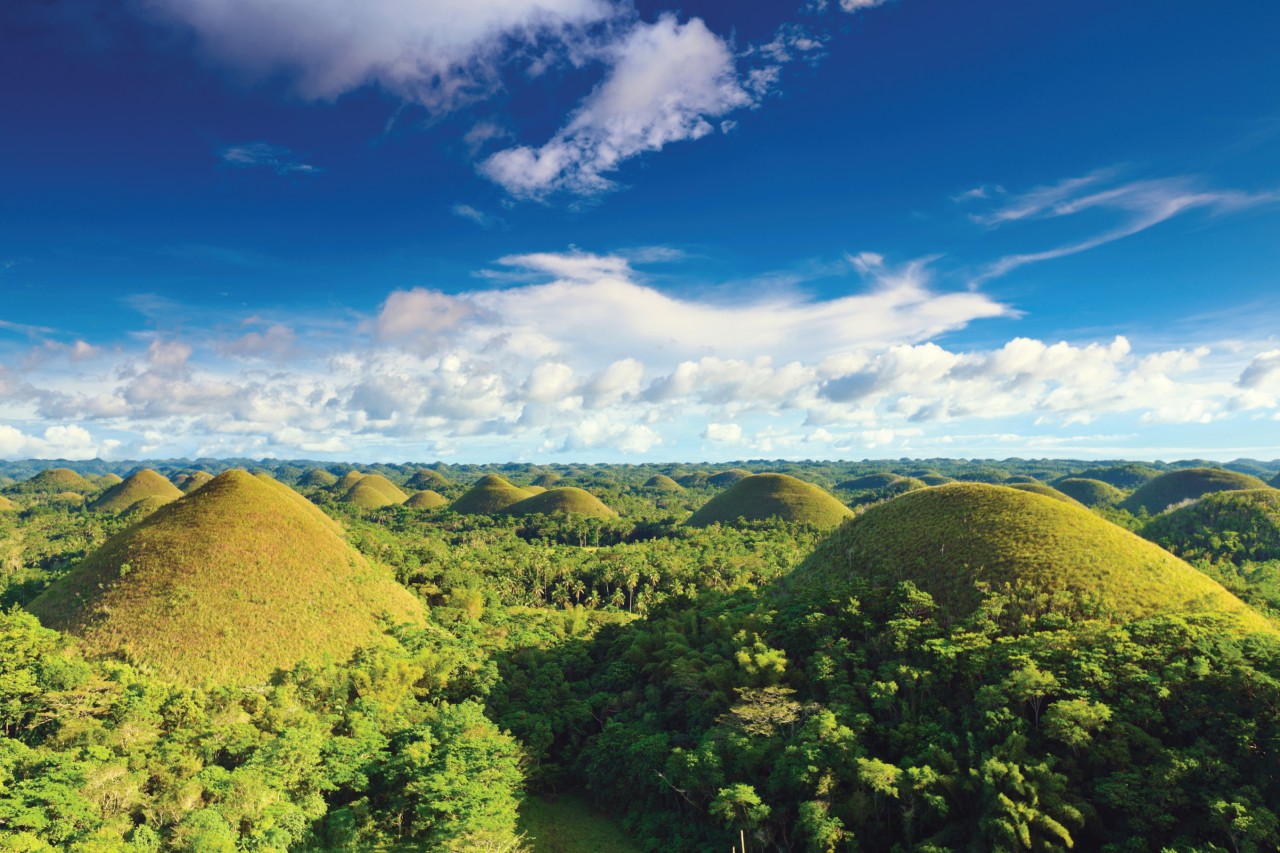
1037 488
1091 493
1234 526
566 499
1186 484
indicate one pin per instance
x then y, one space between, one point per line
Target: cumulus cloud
665 83
55 442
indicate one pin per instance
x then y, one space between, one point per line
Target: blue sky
599 230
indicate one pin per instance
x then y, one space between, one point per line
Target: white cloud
474 214
730 433
277 158
55 442
858 5
1263 372
666 81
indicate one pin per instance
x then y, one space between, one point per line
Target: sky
604 230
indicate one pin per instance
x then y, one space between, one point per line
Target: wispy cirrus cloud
261 155
1140 205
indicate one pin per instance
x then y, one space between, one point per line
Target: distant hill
426 499
727 478
1050 554
935 479
489 496
1126 476
52 481
194 481
373 491
696 480
567 499
1035 487
427 478
663 483
106 481
317 478
1187 484
229 583
344 483
878 480
137 486
1236 525
547 479
1090 492
763 496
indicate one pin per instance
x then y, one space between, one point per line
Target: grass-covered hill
877 480
663 483
106 481
1174 487
935 479
1238 525
426 499
140 509
427 478
373 491
136 487
317 478
566 499
229 583
696 480
763 496
344 483
194 481
1048 554
1090 492
51 481
728 477
492 494
547 479
1036 487
1129 475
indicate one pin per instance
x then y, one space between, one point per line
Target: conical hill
347 480
567 499
877 480
1090 492
426 499
106 481
728 477
763 496
51 481
663 483
490 495
1238 525
1175 487
137 486
427 478
194 481
317 477
229 583
1035 487
1046 553
373 491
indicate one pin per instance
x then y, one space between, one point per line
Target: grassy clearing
239 578
1049 554
762 496
569 825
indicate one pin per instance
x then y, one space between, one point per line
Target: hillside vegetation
230 583
136 487
763 496
426 499
1090 492
492 494
1173 488
1238 525
567 499
951 540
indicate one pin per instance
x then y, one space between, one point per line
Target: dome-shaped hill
427 478
1127 476
1047 553
663 483
317 478
1187 484
54 480
1036 487
727 478
696 480
137 486
373 491
567 499
762 496
1018 479
145 506
229 583
194 481
426 499
67 498
490 495
935 479
1237 525
344 483
876 480
534 490
547 479
106 481
1090 492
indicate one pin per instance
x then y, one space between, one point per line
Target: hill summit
1172 488
567 499
138 486
491 494
763 496
239 578
1047 553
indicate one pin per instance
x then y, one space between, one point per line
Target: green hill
7 505
317 478
373 491
229 583
1036 487
426 499
1048 554
935 479
427 478
139 485
547 479
344 483
663 483
67 498
52 481
106 481
1127 476
696 480
1090 492
1238 526
1187 484
567 499
143 507
724 479
878 480
194 481
533 490
489 496
762 496
1019 479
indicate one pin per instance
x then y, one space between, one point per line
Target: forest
886 655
